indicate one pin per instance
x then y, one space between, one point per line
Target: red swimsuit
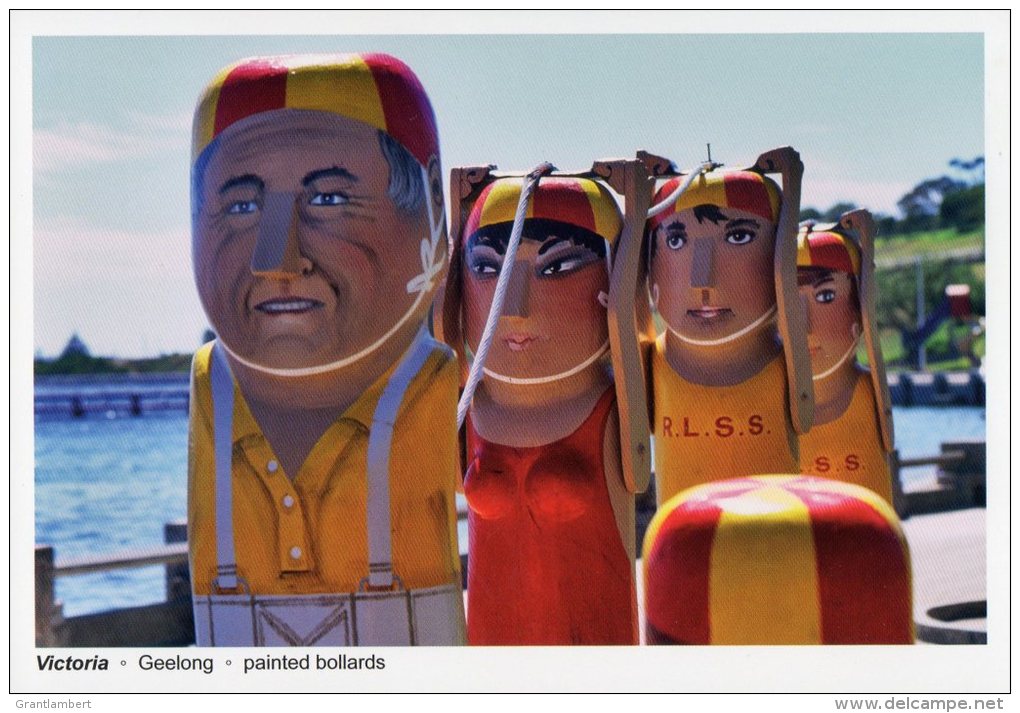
546 562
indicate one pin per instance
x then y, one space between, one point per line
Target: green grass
81 364
892 346
898 247
939 356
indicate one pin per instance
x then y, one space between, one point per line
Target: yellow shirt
320 513
849 448
707 433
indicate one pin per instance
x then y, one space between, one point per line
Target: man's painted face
833 315
713 270
301 258
552 319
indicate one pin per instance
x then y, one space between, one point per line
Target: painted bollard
550 513
728 397
322 444
777 560
852 436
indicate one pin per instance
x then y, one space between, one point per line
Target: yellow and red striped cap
376 89
827 249
577 201
777 560
743 190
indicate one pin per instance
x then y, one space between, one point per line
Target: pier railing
960 480
167 623
960 483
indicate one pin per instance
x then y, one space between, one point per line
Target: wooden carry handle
465 181
861 222
657 166
630 179
792 321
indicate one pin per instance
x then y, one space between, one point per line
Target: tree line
955 201
941 207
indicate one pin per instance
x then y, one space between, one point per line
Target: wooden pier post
900 503
48 611
967 474
178 578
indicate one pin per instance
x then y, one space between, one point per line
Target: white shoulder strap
380 551
223 445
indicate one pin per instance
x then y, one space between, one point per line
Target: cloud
68 249
74 145
876 196
127 292
827 183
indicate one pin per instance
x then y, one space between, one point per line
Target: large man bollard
323 455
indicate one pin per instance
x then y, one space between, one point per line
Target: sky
871 115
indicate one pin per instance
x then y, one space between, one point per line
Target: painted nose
703 268
277 250
516 303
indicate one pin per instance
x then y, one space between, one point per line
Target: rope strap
502 284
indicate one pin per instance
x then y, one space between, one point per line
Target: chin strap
554 377
766 318
421 285
842 360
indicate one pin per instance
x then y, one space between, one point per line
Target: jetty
944 525
137 397
939 388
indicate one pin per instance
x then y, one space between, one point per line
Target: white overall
382 612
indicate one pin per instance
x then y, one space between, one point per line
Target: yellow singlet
708 433
849 448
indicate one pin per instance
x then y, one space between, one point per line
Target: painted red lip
288 305
518 341
710 313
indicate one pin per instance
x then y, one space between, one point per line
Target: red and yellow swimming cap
827 249
743 190
577 201
376 89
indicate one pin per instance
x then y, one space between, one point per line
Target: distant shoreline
84 365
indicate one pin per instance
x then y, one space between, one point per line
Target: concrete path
947 551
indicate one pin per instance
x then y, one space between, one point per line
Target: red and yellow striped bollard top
373 88
775 559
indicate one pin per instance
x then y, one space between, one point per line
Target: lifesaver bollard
777 560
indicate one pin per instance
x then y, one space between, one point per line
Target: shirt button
288 501
295 553
272 465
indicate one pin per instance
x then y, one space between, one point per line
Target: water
104 485
920 430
